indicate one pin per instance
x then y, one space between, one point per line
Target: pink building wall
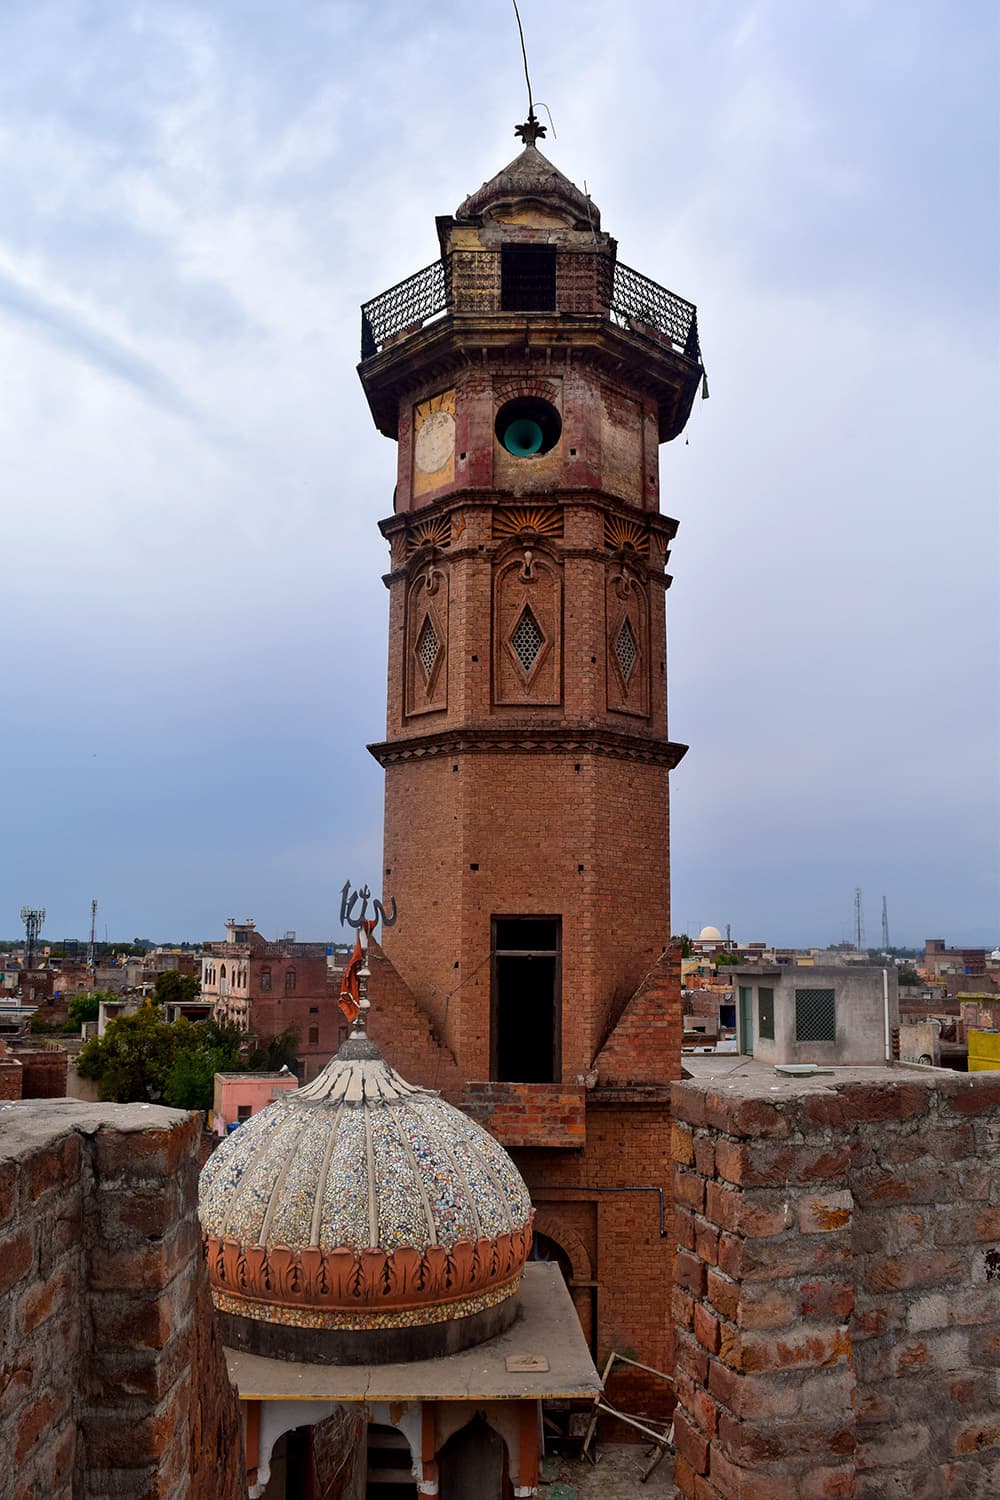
249 1091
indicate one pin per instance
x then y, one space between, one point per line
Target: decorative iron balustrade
407 305
631 298
635 300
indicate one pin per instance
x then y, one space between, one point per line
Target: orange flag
349 992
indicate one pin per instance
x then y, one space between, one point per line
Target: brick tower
528 378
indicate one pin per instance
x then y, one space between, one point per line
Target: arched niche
425 655
527 626
627 616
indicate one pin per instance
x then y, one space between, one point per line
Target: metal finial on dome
353 1000
532 130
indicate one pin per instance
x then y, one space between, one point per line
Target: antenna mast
93 935
859 925
524 54
32 917
885 926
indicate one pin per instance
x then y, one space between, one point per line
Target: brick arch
550 1222
514 386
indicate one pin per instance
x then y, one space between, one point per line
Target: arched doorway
556 1241
473 1463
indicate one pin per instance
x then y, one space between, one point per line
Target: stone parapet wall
112 1376
837 1286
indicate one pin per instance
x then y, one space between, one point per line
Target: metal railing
640 303
408 305
633 300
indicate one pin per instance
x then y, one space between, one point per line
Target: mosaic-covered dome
362 1203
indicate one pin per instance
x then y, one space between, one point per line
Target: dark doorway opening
390 1466
473 1464
525 1031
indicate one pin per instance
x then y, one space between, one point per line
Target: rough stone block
16 1255
766 1305
691 1444
820 1213
795 1350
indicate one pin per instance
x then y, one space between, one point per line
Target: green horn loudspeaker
523 436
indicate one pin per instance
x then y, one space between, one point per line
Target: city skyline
197 207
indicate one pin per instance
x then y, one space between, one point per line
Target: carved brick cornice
534 344
404 1281
527 739
468 498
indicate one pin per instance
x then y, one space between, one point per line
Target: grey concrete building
827 1014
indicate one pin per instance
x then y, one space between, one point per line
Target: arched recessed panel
425 654
527 630
627 621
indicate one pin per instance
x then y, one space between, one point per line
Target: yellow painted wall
984 1051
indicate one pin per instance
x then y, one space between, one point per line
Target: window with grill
289 981
427 647
815 1016
765 1013
265 979
626 650
528 278
314 1036
527 640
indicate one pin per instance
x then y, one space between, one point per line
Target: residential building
268 988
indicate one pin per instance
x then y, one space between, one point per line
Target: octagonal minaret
528 379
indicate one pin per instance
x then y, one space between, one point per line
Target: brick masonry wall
112 1378
45 1071
530 1114
11 1075
837 1286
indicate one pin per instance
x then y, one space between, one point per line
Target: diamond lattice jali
427 647
527 640
626 650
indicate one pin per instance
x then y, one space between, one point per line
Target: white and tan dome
710 935
362 1202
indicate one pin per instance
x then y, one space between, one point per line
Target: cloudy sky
197 197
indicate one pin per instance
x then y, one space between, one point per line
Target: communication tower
33 918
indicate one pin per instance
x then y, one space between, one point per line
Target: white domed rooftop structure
363 1207
710 935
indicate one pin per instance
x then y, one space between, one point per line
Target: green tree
685 943
84 1008
131 1061
726 960
201 1051
174 988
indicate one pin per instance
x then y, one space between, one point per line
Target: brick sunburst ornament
433 533
621 534
542 520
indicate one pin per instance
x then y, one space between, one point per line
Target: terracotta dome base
366 1346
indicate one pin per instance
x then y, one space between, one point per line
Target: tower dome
531 176
710 935
362 1219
